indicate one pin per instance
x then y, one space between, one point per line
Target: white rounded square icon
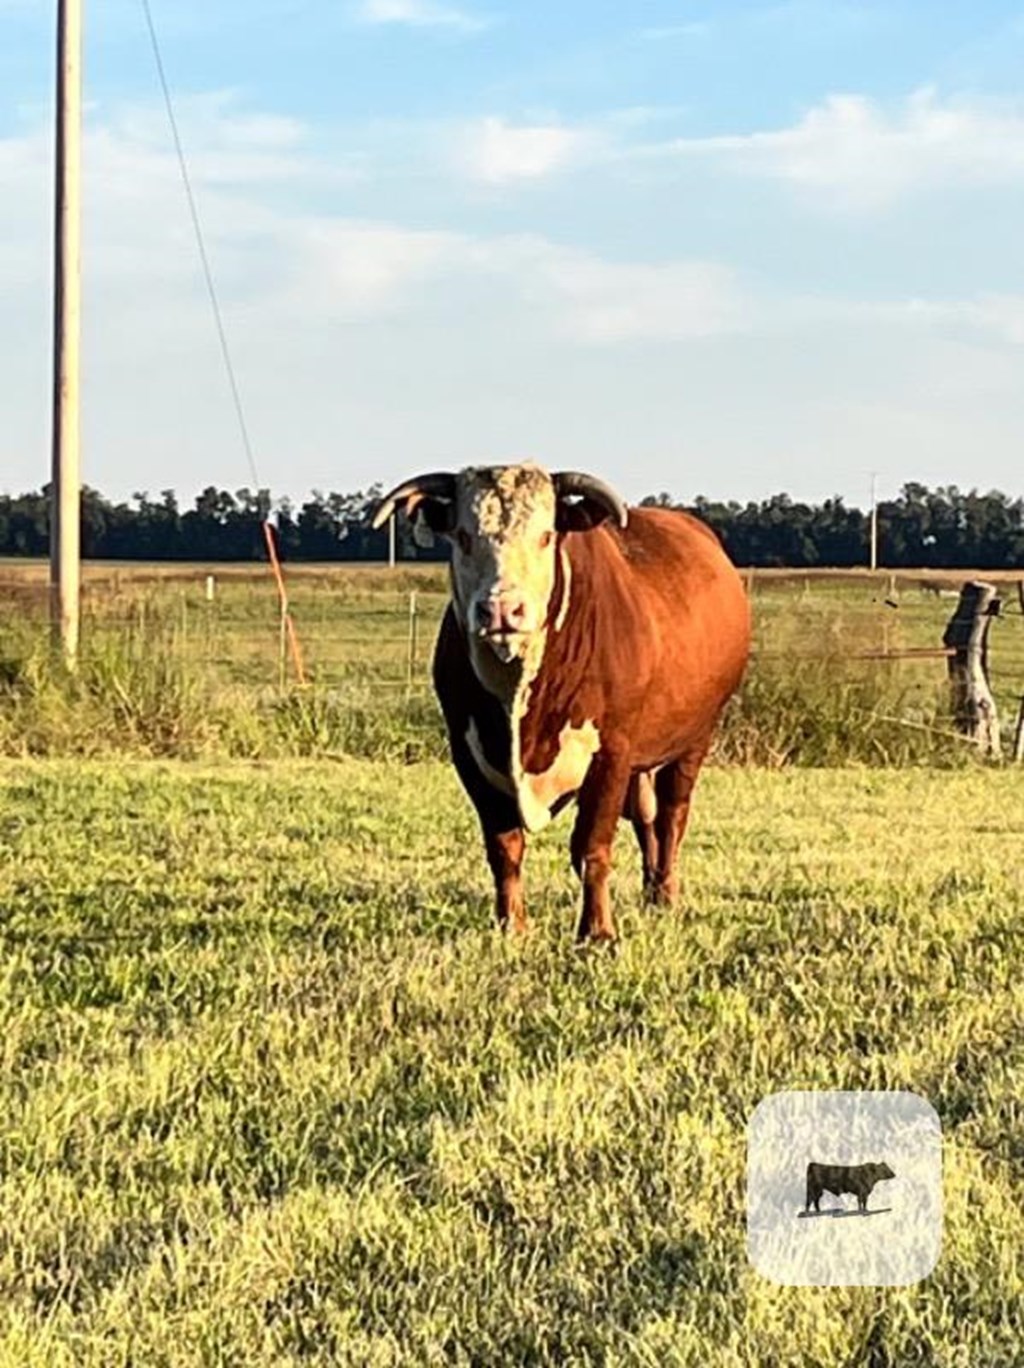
844 1189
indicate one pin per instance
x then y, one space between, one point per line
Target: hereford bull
587 651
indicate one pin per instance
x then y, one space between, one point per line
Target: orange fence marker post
288 626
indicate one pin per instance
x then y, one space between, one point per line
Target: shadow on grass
839 1213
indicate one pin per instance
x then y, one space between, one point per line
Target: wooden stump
966 634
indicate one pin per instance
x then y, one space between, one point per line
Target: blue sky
722 249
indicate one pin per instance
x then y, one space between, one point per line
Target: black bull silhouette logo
839 1178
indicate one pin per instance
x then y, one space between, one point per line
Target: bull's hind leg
673 787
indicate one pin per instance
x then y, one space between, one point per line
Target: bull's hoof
661 895
602 938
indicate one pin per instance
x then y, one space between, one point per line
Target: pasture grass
275 1092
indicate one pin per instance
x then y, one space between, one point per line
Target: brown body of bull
645 637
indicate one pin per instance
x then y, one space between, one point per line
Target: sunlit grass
273 1090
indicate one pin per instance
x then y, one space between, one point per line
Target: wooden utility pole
65 491
874 524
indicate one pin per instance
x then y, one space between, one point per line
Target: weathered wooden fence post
411 664
1018 734
966 634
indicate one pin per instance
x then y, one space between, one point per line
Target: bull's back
680 619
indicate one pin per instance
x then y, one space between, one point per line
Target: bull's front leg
502 830
600 804
505 851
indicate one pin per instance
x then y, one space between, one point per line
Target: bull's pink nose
496 616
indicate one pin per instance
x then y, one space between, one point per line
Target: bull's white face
503 555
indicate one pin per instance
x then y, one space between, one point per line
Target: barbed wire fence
368 638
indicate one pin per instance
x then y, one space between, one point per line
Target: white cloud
599 301
224 144
856 153
618 302
420 14
267 250
403 332
496 151
1001 316
355 267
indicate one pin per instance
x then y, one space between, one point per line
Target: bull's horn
590 487
439 484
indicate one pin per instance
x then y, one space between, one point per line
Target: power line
288 633
200 242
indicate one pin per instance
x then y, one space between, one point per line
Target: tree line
942 527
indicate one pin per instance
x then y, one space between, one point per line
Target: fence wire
368 634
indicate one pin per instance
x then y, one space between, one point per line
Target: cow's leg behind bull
673 788
601 801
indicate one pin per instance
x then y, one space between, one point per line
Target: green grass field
275 1092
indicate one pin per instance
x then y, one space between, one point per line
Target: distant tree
921 527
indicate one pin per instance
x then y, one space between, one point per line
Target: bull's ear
433 495
579 515
430 516
583 502
434 515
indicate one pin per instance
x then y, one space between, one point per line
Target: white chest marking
537 793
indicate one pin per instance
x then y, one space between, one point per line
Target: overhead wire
197 226
287 624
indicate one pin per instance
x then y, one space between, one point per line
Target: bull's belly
540 794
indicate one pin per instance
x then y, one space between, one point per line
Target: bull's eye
546 539
465 541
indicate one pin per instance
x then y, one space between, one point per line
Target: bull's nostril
499 616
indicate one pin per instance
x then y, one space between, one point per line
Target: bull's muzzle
503 616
